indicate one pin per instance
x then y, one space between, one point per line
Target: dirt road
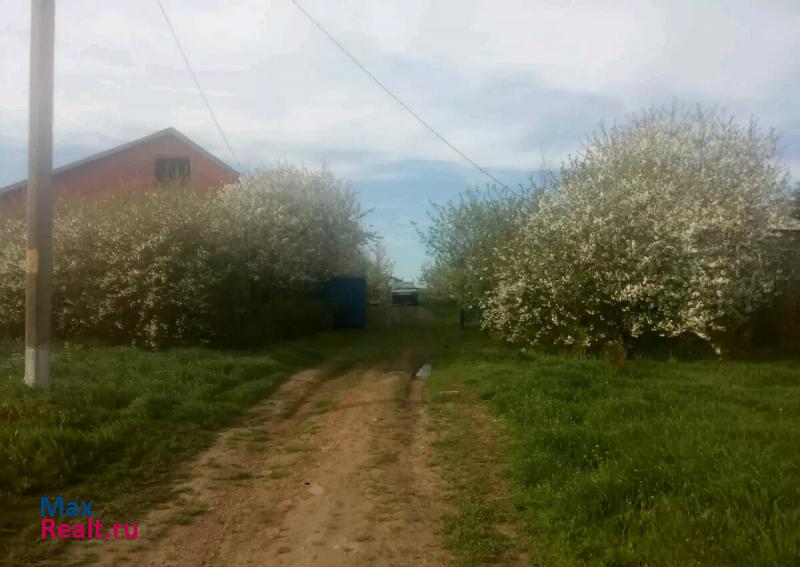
328 472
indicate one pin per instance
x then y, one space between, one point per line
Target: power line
197 84
386 89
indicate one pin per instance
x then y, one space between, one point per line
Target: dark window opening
172 170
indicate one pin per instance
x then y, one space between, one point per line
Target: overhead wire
396 98
199 87
354 60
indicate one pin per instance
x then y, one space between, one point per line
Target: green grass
471 533
119 421
659 463
471 527
117 424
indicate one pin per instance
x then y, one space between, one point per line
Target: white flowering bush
171 265
12 275
464 239
379 270
295 225
662 226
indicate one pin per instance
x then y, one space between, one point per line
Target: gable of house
157 159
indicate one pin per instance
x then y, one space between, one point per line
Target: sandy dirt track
328 472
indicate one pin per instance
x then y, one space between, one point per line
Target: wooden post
40 199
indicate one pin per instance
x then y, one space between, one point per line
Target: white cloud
501 79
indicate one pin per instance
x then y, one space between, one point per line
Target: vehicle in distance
404 293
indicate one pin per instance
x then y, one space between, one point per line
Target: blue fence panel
348 299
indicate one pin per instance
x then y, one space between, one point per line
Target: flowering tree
464 237
795 202
294 224
177 266
12 275
661 225
379 270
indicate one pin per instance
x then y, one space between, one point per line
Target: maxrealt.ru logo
91 529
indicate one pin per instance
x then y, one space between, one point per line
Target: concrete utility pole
40 198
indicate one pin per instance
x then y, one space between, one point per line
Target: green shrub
664 224
166 266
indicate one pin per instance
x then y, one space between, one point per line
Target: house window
172 170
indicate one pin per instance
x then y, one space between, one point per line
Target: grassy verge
116 425
478 501
119 420
659 463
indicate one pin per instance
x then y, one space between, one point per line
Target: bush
379 270
174 266
663 225
12 277
466 238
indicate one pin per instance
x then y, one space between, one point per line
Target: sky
511 83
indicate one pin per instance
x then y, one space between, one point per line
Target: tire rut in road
346 479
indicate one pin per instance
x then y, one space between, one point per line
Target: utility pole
40 196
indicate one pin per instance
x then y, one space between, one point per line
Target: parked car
404 293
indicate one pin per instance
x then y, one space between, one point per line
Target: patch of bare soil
326 473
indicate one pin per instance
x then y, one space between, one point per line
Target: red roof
160 134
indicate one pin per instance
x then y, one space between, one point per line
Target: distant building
160 158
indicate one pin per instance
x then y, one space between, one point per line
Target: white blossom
662 225
172 265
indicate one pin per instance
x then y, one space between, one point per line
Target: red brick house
164 156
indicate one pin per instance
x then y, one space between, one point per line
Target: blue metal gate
347 297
